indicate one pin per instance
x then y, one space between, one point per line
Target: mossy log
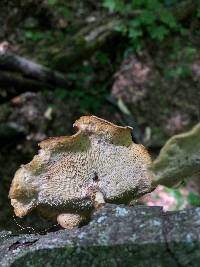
116 236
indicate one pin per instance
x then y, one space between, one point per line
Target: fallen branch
84 43
10 61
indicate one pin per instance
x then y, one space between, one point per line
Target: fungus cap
101 156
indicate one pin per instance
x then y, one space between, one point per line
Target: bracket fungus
72 175
178 159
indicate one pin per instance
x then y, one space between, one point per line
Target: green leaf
190 53
193 199
67 13
102 58
174 192
60 93
72 76
134 33
147 17
121 28
35 36
185 71
138 3
159 32
153 4
126 8
52 2
167 18
135 22
177 195
113 5
198 12
179 71
110 5
29 34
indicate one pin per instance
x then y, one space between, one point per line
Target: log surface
116 236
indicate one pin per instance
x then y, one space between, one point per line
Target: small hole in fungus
95 178
76 128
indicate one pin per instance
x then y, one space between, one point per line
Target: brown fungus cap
117 135
101 157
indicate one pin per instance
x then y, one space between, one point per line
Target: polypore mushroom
178 159
72 175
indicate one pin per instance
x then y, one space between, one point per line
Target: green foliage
33 36
52 2
179 71
190 53
67 13
167 18
175 193
198 9
113 5
193 199
88 89
60 93
159 33
144 18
